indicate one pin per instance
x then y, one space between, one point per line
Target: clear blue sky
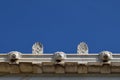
60 25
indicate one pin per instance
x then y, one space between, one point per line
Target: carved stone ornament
105 56
37 48
14 56
82 48
59 56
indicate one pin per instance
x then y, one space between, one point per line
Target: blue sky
60 25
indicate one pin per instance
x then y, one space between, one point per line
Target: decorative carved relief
105 56
59 57
14 56
82 48
37 48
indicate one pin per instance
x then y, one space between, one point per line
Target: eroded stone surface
71 67
14 68
48 67
4 67
94 67
115 67
26 67
105 68
37 68
59 68
82 68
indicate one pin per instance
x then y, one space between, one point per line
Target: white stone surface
105 56
82 48
14 56
34 58
37 48
59 57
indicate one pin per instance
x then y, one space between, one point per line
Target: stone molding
73 64
34 58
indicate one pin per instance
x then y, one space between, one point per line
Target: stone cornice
81 62
38 58
73 64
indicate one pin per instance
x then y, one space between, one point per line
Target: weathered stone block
14 68
94 67
48 67
82 68
4 67
71 67
37 68
26 67
59 68
115 67
105 68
